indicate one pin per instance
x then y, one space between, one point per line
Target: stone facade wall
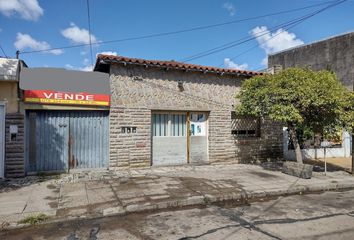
129 150
137 91
336 54
14 149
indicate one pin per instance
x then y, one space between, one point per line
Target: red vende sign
55 97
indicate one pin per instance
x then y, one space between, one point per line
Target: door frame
2 143
207 114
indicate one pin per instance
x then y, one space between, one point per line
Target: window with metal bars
245 126
168 125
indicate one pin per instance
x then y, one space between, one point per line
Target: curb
239 199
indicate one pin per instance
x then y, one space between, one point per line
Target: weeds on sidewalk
34 219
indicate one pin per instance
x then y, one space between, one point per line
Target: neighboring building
52 120
335 54
66 115
171 113
11 120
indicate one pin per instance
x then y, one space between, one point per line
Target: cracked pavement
328 215
108 193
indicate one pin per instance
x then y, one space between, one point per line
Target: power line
183 30
247 39
3 51
237 42
89 28
256 46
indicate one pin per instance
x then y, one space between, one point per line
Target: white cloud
108 53
26 41
230 8
232 65
276 41
26 9
69 66
87 67
78 35
86 61
265 61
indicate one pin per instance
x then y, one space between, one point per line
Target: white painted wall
344 151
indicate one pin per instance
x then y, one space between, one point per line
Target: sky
28 25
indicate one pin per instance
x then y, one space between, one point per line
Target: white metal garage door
179 138
169 141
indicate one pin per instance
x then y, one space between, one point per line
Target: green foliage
34 219
347 112
314 100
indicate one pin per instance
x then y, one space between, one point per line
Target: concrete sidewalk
95 194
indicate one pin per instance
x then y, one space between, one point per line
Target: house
335 54
11 120
172 113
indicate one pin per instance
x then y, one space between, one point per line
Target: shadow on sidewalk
13 184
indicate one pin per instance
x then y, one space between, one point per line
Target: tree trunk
293 137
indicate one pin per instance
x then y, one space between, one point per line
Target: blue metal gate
88 139
62 140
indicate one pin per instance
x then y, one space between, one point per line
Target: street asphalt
102 194
328 215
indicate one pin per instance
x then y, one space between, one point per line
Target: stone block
298 169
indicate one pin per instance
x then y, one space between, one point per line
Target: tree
298 97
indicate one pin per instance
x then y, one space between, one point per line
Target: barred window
245 126
169 125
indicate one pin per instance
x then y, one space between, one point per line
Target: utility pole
17 54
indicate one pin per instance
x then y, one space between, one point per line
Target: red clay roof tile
171 64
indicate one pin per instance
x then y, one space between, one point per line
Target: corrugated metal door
88 139
2 140
59 140
48 141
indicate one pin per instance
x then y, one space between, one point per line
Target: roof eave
125 63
